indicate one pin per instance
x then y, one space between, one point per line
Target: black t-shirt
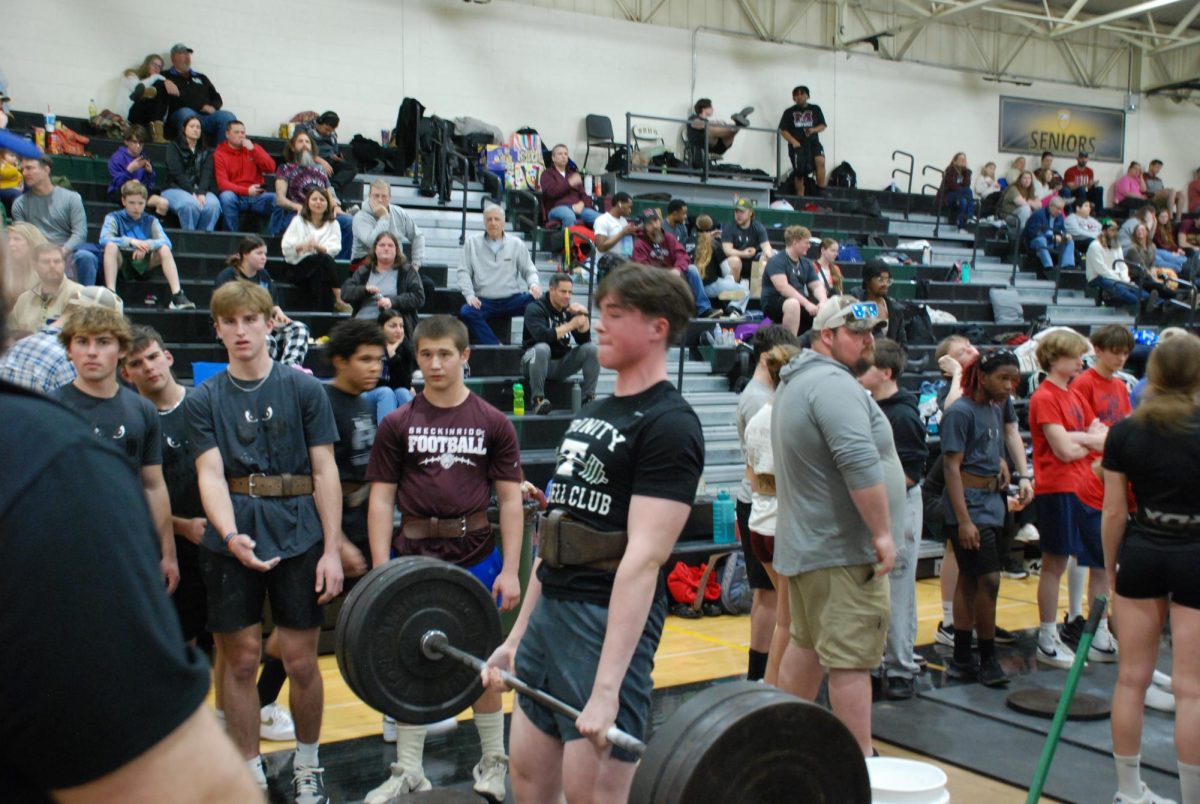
355 419
648 444
1164 470
798 119
265 427
179 461
711 270
90 638
262 279
398 369
741 238
127 421
798 274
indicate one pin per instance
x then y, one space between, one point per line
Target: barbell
409 643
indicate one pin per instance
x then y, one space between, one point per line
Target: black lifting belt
563 542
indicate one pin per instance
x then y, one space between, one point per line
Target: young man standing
974 502
626 479
264 435
882 379
1105 392
436 459
48 300
801 125
96 338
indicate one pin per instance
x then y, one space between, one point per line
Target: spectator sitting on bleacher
149 94
676 222
876 282
709 259
1014 171
38 361
288 340
1041 184
23 238
137 242
380 215
720 132
58 213
196 96
301 170
1106 270
790 285
190 166
827 268
556 342
745 241
986 183
311 240
1046 165
240 168
1166 239
1045 234
1018 200
956 191
385 282
658 248
1193 193
1081 184
399 363
614 234
47 300
495 276
1055 185
1081 226
1129 191
10 179
1155 276
1148 216
1168 198
323 133
130 163
563 193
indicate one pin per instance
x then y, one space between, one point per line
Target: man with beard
1106 270
660 249
301 170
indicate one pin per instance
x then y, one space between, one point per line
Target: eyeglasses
861 310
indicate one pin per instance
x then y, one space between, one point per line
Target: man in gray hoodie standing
495 276
840 487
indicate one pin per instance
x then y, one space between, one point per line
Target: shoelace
307 780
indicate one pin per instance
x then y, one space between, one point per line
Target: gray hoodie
829 437
367 227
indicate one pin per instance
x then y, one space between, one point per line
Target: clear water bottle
724 517
576 397
518 399
93 110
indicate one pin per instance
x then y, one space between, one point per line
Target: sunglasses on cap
861 310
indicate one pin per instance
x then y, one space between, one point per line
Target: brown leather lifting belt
260 485
416 528
354 493
987 483
563 542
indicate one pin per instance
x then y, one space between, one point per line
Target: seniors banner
1064 129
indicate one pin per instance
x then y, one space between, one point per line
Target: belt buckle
250 484
462 525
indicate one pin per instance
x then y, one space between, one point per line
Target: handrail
535 220
466 166
687 122
912 163
937 196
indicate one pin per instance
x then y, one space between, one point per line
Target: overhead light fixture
998 80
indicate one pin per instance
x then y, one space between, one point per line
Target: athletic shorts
1150 566
1069 528
774 309
984 561
763 547
190 599
236 593
842 613
559 653
488 570
756 575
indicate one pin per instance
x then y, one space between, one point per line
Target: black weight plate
1041 702
748 742
384 619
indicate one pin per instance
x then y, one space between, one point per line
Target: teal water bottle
518 399
724 517
966 271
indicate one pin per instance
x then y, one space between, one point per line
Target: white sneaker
490 774
1027 533
1159 699
389 729
436 729
275 723
1147 797
1055 653
1104 645
399 783
944 634
1163 680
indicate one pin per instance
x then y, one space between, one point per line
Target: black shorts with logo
236 593
1151 566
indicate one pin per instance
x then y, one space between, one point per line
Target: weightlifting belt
563 542
354 494
416 528
260 485
764 484
987 483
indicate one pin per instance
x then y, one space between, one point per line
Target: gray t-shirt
750 402
977 431
60 216
386 282
126 421
267 429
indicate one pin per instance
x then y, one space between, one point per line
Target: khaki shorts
842 613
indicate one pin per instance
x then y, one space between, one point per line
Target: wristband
229 537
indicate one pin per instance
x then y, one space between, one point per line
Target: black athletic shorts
236 593
756 576
986 559
774 310
1151 566
190 599
559 653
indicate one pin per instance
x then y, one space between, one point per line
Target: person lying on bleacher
240 170
658 248
137 242
192 180
59 215
302 170
130 163
563 193
46 301
311 240
197 96
720 132
288 340
495 276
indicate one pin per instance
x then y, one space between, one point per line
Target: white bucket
906 781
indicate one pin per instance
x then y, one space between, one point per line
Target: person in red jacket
655 247
240 168
563 192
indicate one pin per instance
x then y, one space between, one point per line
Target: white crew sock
1047 633
256 770
491 732
410 747
1076 581
306 755
1189 783
1129 775
948 613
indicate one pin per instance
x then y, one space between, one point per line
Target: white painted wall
516 65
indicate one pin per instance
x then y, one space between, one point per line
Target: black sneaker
991 674
179 301
1004 636
307 785
1014 568
1072 631
962 672
898 688
541 407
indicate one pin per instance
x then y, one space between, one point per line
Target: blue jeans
696 283
567 216
962 202
476 320
386 399
212 124
1043 248
280 218
191 215
1118 292
1167 259
233 205
87 263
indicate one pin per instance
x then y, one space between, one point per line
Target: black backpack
918 326
843 176
742 370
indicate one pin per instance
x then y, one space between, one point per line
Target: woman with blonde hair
1018 198
23 238
149 91
709 259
